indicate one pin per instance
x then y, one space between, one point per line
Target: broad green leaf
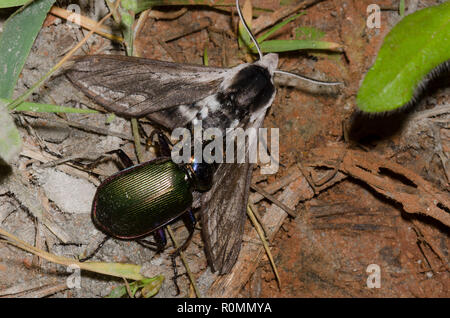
413 48
48 108
16 40
12 3
10 141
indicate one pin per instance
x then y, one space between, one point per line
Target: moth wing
135 87
224 214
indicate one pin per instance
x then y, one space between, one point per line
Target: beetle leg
161 240
163 143
126 161
189 221
95 251
175 274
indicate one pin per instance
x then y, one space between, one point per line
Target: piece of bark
402 185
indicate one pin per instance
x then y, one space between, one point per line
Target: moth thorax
251 89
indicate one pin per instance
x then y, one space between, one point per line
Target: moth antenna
307 79
248 29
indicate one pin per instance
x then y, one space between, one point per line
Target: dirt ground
344 225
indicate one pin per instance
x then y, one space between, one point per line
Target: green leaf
149 286
413 48
205 56
244 37
16 40
401 8
152 286
48 108
12 3
10 141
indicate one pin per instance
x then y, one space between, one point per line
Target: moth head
269 61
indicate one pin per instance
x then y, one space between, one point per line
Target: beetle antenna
248 29
307 79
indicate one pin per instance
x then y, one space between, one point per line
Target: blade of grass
86 23
401 8
244 37
205 56
278 26
129 271
48 108
274 46
264 241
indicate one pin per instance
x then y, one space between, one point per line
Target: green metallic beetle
141 199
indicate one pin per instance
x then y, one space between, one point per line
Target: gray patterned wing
224 213
224 210
135 87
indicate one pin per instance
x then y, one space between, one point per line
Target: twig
258 218
85 127
292 174
39 293
155 14
274 200
257 226
86 23
127 286
423 239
